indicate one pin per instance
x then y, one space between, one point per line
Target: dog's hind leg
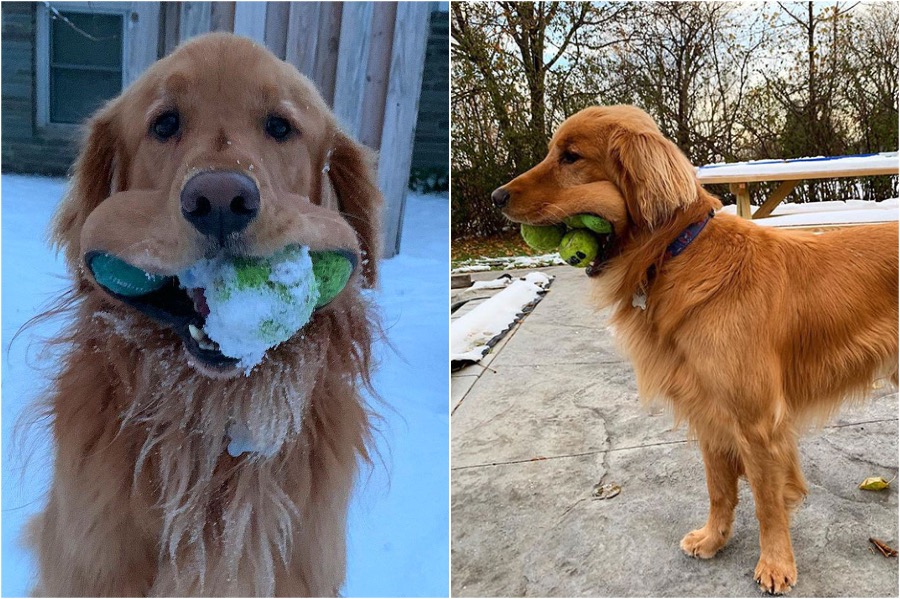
723 467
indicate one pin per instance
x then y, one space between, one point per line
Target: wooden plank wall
401 108
366 58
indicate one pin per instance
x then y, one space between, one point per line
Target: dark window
85 63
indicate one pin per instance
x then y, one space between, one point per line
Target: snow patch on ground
498 283
472 333
399 522
507 263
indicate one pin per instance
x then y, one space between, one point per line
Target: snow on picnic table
399 521
850 212
814 165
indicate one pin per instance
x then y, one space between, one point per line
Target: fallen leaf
874 483
607 491
885 550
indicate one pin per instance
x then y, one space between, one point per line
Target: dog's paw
703 542
775 577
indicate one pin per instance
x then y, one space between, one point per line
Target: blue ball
121 278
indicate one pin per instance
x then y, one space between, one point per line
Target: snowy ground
398 537
472 335
507 263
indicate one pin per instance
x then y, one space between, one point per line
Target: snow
498 283
508 263
829 213
471 333
245 322
399 523
799 166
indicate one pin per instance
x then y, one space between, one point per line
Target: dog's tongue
200 304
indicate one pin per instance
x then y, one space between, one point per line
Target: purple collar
681 242
685 238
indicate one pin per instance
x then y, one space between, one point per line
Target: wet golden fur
145 500
750 334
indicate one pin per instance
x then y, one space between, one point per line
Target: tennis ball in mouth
332 271
249 304
579 247
592 222
122 278
254 303
543 238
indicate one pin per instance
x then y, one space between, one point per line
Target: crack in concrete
569 455
628 448
568 363
849 424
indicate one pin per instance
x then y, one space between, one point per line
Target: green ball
121 278
332 270
254 303
579 247
574 221
542 239
589 221
596 224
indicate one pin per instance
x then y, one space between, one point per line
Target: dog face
217 148
611 161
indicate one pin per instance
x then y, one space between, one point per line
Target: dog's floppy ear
654 175
98 172
351 169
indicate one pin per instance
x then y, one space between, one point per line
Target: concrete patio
553 411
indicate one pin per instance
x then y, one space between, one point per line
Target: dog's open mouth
164 300
604 253
265 304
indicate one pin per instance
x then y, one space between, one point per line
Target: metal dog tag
639 300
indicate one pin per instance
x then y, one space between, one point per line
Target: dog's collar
687 236
684 239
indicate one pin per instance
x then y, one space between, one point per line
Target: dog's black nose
500 197
219 203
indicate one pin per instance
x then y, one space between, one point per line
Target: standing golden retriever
218 148
748 332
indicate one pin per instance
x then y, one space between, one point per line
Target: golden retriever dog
218 149
748 332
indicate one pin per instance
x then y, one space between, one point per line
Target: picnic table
740 175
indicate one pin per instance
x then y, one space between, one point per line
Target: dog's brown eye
166 125
569 157
278 128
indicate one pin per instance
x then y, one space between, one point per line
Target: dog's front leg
723 467
93 548
766 453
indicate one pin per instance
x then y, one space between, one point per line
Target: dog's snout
500 197
220 203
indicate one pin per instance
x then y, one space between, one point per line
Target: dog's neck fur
643 251
213 509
